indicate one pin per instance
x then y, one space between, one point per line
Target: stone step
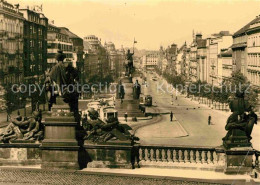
129 114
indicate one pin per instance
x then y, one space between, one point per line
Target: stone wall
20 154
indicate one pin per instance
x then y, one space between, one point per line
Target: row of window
63 47
32 56
254 78
11 26
33 68
53 55
35 30
11 45
253 40
33 44
253 59
13 79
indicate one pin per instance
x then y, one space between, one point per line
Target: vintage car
148 100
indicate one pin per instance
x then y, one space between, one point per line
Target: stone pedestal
239 160
237 139
60 147
118 154
128 105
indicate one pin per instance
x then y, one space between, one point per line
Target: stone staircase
129 106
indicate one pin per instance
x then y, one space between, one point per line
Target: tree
238 82
10 100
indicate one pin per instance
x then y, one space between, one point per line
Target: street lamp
212 74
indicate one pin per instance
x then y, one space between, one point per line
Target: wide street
191 127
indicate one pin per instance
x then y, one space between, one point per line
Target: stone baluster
187 155
140 154
192 156
215 157
204 156
197 156
143 154
154 155
177 155
160 155
149 154
200 156
171 155
165 155
211 157
181 155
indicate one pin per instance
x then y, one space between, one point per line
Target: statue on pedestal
129 66
62 81
240 123
120 90
136 90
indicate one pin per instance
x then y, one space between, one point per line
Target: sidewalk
183 174
120 176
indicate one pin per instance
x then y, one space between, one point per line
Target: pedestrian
176 98
209 120
171 115
126 117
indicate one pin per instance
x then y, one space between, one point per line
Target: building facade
75 54
225 58
116 59
150 61
215 44
11 43
194 66
253 53
35 45
202 59
96 61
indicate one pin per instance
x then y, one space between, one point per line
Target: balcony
3 33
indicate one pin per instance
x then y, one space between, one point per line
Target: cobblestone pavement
42 177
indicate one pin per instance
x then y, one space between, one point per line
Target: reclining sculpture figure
24 128
98 131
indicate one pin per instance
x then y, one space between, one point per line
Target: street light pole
212 74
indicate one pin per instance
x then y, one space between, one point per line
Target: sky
153 23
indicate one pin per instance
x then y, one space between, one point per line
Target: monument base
129 106
60 158
60 147
117 154
237 139
239 160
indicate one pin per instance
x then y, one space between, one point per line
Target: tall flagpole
134 46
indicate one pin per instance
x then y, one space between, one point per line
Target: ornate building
253 53
215 44
116 59
35 45
58 39
11 43
150 60
194 66
96 63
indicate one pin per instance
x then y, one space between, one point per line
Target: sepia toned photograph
129 92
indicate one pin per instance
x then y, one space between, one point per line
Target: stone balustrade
177 154
256 161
